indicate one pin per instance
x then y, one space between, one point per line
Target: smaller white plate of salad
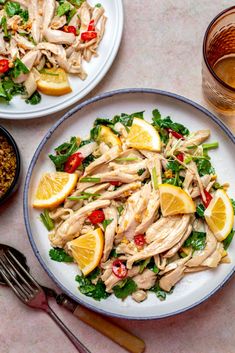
54 52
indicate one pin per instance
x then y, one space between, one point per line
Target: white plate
194 288
96 70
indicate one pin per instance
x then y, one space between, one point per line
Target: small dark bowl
15 183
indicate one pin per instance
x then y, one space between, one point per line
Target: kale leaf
125 288
197 240
59 255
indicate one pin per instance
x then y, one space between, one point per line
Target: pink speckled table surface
161 48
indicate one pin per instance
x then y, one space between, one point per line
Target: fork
30 293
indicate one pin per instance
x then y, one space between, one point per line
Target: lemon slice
87 250
107 136
219 215
54 82
53 188
174 200
142 135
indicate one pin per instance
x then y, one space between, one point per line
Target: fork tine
23 269
31 289
19 291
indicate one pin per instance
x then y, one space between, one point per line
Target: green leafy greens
19 68
227 241
13 8
86 287
63 152
34 99
160 293
125 288
197 240
59 255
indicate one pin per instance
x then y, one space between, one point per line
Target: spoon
122 337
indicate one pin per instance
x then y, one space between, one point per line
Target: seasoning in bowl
8 165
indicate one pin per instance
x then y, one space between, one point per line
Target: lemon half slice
174 200
219 215
54 82
107 136
142 135
87 250
53 188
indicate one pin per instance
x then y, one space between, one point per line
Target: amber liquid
225 70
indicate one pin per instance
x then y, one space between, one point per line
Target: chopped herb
8 89
217 186
125 288
155 269
197 240
89 180
120 210
57 254
76 3
174 166
63 9
46 220
106 222
210 146
113 253
144 264
98 5
86 287
63 152
34 99
141 171
94 133
70 15
233 204
13 8
19 68
127 119
160 293
204 166
166 123
4 27
88 160
200 210
227 241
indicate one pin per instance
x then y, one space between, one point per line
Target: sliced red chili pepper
4 65
91 26
73 162
139 240
175 134
70 29
96 216
119 269
115 183
208 197
86 36
180 157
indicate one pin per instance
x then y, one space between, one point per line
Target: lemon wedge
53 188
142 135
174 200
107 136
219 215
87 250
54 82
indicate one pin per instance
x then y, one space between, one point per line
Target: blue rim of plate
34 160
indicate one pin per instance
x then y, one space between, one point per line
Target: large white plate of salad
54 52
127 205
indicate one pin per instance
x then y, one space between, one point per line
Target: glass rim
216 77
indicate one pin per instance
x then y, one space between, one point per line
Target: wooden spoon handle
122 337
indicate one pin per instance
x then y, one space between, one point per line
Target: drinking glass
219 42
